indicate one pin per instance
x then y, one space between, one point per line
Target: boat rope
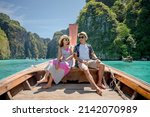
114 82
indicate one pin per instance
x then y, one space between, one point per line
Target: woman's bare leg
44 79
49 84
92 82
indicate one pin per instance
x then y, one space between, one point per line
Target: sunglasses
66 39
81 37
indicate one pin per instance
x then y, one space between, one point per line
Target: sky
43 17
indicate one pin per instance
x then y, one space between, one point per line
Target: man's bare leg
100 76
92 82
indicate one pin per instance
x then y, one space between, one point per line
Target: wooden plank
76 74
14 91
9 85
9 96
26 85
66 92
134 95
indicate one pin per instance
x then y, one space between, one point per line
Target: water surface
139 69
9 67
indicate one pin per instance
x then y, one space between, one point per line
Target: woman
59 67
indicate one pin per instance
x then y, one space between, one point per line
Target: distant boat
127 59
144 59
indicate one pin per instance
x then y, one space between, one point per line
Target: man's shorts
90 64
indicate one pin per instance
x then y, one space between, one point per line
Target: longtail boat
74 86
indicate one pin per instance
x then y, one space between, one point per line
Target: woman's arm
69 58
71 54
59 56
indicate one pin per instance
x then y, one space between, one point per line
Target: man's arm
94 55
76 55
77 58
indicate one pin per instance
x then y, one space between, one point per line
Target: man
86 57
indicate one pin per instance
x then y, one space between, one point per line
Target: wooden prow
73 32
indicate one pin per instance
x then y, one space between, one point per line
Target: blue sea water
139 69
9 67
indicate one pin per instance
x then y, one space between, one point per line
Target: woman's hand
69 58
57 66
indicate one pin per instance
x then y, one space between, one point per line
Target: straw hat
63 37
83 33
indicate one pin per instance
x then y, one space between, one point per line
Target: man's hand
98 61
85 62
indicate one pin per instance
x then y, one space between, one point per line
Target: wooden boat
21 86
127 59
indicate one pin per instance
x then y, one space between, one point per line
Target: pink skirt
58 74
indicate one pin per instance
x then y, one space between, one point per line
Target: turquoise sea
139 69
9 67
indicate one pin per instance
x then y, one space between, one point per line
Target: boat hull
124 86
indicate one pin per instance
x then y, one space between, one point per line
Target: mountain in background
16 42
117 28
4 46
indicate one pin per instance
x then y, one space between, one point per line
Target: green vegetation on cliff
124 41
22 44
138 20
106 2
103 30
4 46
117 27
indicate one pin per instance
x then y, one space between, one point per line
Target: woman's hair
61 44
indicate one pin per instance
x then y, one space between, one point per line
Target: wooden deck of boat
66 92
